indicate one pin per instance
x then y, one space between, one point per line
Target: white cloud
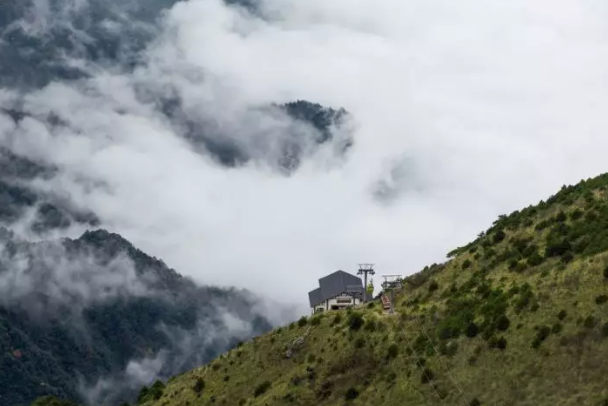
483 107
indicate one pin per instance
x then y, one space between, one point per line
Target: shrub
433 286
371 326
475 402
605 330
355 321
302 322
472 330
606 272
466 264
427 376
315 321
503 323
153 393
393 351
576 214
558 247
199 385
541 335
351 393
567 257
261 388
498 237
337 319
590 322
601 299
562 314
557 328
535 259
497 342
142 394
359 342
226 378
450 349
560 217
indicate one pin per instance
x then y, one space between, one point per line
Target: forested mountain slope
518 316
93 319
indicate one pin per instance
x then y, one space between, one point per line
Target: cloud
462 111
47 279
188 349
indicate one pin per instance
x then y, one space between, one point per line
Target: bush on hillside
199 385
562 314
351 393
261 388
154 392
427 376
534 259
498 237
590 322
466 264
472 330
541 335
337 319
371 326
557 247
497 342
605 330
576 214
355 321
433 286
601 299
315 321
393 351
448 348
557 328
560 217
303 321
503 323
475 402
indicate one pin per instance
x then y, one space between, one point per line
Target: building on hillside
336 291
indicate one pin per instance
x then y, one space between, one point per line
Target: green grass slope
517 317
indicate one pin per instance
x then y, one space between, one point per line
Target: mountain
517 316
94 318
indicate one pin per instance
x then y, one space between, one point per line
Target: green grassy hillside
517 317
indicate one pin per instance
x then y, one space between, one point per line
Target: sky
462 111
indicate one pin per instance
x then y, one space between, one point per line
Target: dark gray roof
315 297
333 285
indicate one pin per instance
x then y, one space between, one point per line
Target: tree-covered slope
518 316
93 319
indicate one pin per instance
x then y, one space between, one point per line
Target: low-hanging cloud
46 279
461 112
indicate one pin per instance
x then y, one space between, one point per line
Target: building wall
339 302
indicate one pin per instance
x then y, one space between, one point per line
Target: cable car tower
390 284
365 269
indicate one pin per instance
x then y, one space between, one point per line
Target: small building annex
336 291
